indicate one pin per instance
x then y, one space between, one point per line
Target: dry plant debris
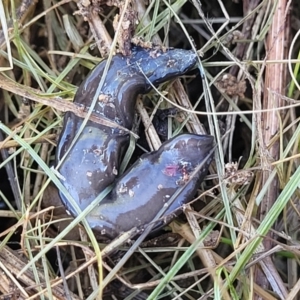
228 84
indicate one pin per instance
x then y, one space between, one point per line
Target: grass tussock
239 238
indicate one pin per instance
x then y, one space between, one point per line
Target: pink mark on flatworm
171 170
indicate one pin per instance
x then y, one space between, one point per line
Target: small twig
10 173
99 32
55 102
62 274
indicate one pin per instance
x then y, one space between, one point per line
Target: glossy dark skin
93 162
142 191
